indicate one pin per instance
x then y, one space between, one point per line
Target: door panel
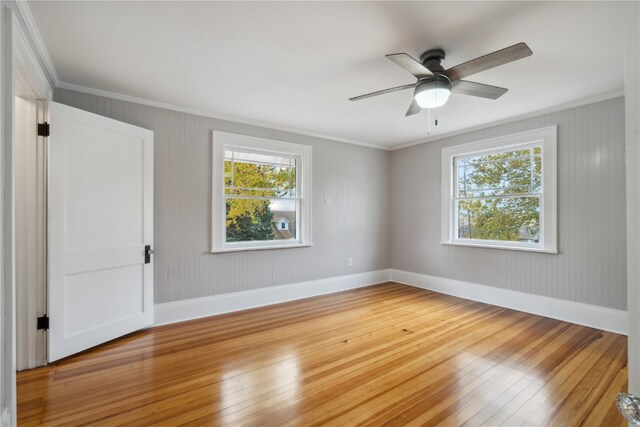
99 298
104 175
100 219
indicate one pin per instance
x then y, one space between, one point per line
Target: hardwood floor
383 355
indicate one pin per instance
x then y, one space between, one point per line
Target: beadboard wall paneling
354 224
591 265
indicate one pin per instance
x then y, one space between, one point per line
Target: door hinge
43 322
43 129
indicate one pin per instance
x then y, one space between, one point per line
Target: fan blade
477 89
499 57
414 108
410 64
382 92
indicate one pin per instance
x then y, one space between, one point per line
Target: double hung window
502 192
261 191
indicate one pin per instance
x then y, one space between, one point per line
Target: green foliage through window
498 195
257 187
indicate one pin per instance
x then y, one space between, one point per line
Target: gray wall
354 224
385 210
591 265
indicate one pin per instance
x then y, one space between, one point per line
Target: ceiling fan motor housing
432 59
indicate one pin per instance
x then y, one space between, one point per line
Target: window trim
547 137
220 140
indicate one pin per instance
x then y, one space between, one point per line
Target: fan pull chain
428 121
436 117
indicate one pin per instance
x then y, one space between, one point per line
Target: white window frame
222 140
547 137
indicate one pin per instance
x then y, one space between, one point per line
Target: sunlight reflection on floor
278 385
492 385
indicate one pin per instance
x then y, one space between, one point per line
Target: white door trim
31 82
29 75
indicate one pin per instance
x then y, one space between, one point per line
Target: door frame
18 60
31 83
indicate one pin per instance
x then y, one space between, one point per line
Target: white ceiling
294 64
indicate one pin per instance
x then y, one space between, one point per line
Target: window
261 193
501 193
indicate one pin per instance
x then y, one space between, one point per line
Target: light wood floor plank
383 355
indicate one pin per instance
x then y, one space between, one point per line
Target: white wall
591 265
355 224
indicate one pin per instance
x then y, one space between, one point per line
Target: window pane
496 178
251 179
505 173
257 157
260 220
515 219
261 197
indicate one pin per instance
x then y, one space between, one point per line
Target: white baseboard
604 318
594 316
178 311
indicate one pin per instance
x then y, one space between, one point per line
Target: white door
100 219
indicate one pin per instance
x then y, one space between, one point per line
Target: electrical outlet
350 262
327 199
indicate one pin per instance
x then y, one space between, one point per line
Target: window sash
289 160
456 198
515 243
537 142
293 165
485 162
460 188
297 238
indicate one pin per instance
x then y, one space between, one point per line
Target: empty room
310 213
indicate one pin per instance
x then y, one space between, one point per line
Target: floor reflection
499 385
275 385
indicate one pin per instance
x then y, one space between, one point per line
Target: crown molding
210 114
537 113
24 11
204 113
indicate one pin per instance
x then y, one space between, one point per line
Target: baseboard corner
593 316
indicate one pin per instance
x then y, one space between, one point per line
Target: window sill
260 248
511 248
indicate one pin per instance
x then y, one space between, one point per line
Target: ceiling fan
435 84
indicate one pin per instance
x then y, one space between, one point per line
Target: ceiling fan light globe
432 93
